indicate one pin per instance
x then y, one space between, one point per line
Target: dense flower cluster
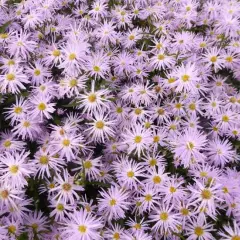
120 119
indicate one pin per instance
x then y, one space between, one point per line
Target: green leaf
4 26
23 236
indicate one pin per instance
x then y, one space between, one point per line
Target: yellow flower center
119 110
112 202
4 194
147 125
157 179
7 143
153 162
11 62
161 57
130 174
60 207
96 69
66 142
138 204
173 127
225 118
137 226
87 164
92 97
66 187
203 174
73 83
171 80
148 197
42 106
42 88
35 226
219 84
214 104
26 124
237 237
138 71
163 216
44 159
116 236
157 89
235 132
172 189
229 59
178 105
10 77
3 35
206 194
99 124
185 78
213 59
88 208
13 169
190 146
138 111
156 139
12 229
159 46
198 231
161 111
56 53
82 229
51 185
72 56
225 190
184 211
37 72
192 106
18 110
131 37
137 139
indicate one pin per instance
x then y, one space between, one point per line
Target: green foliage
23 236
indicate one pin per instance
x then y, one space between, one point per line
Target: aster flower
15 169
207 196
137 139
199 230
38 72
18 110
213 58
129 173
220 152
101 128
65 189
113 203
37 223
94 100
98 65
230 232
42 107
164 219
81 225
21 45
13 81
9 143
187 76
68 145
189 147
45 161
